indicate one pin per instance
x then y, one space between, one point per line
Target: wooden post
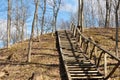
76 34
71 26
95 50
99 58
95 53
80 40
105 64
113 70
74 31
92 51
89 48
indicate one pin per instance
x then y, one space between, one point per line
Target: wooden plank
83 74
72 71
81 66
84 69
76 64
88 77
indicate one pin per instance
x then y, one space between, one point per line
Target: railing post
71 26
105 64
88 47
74 30
92 51
99 59
95 55
95 50
80 40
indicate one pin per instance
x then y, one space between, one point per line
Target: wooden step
73 71
85 74
82 66
76 64
71 62
87 77
82 69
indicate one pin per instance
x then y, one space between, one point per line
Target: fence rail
101 57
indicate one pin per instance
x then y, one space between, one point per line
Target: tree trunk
81 16
8 23
56 8
107 21
23 20
17 22
117 25
36 24
32 32
43 17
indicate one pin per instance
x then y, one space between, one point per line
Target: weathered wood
105 64
96 45
113 70
85 77
88 47
69 77
99 58
85 46
74 31
75 60
91 53
72 71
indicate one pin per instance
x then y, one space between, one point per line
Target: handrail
83 39
99 46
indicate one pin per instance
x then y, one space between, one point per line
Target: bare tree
32 32
8 23
56 8
23 20
80 14
17 21
116 7
108 10
100 15
43 16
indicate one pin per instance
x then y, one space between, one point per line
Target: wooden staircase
77 65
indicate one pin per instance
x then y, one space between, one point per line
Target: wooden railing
107 63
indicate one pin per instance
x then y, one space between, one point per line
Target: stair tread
88 77
77 65
78 74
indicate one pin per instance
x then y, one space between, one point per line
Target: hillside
104 37
45 60
45 56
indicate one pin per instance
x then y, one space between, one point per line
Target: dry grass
44 64
104 37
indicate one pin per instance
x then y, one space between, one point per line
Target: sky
68 7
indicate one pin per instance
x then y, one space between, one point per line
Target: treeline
98 13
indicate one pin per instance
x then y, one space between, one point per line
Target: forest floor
45 63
